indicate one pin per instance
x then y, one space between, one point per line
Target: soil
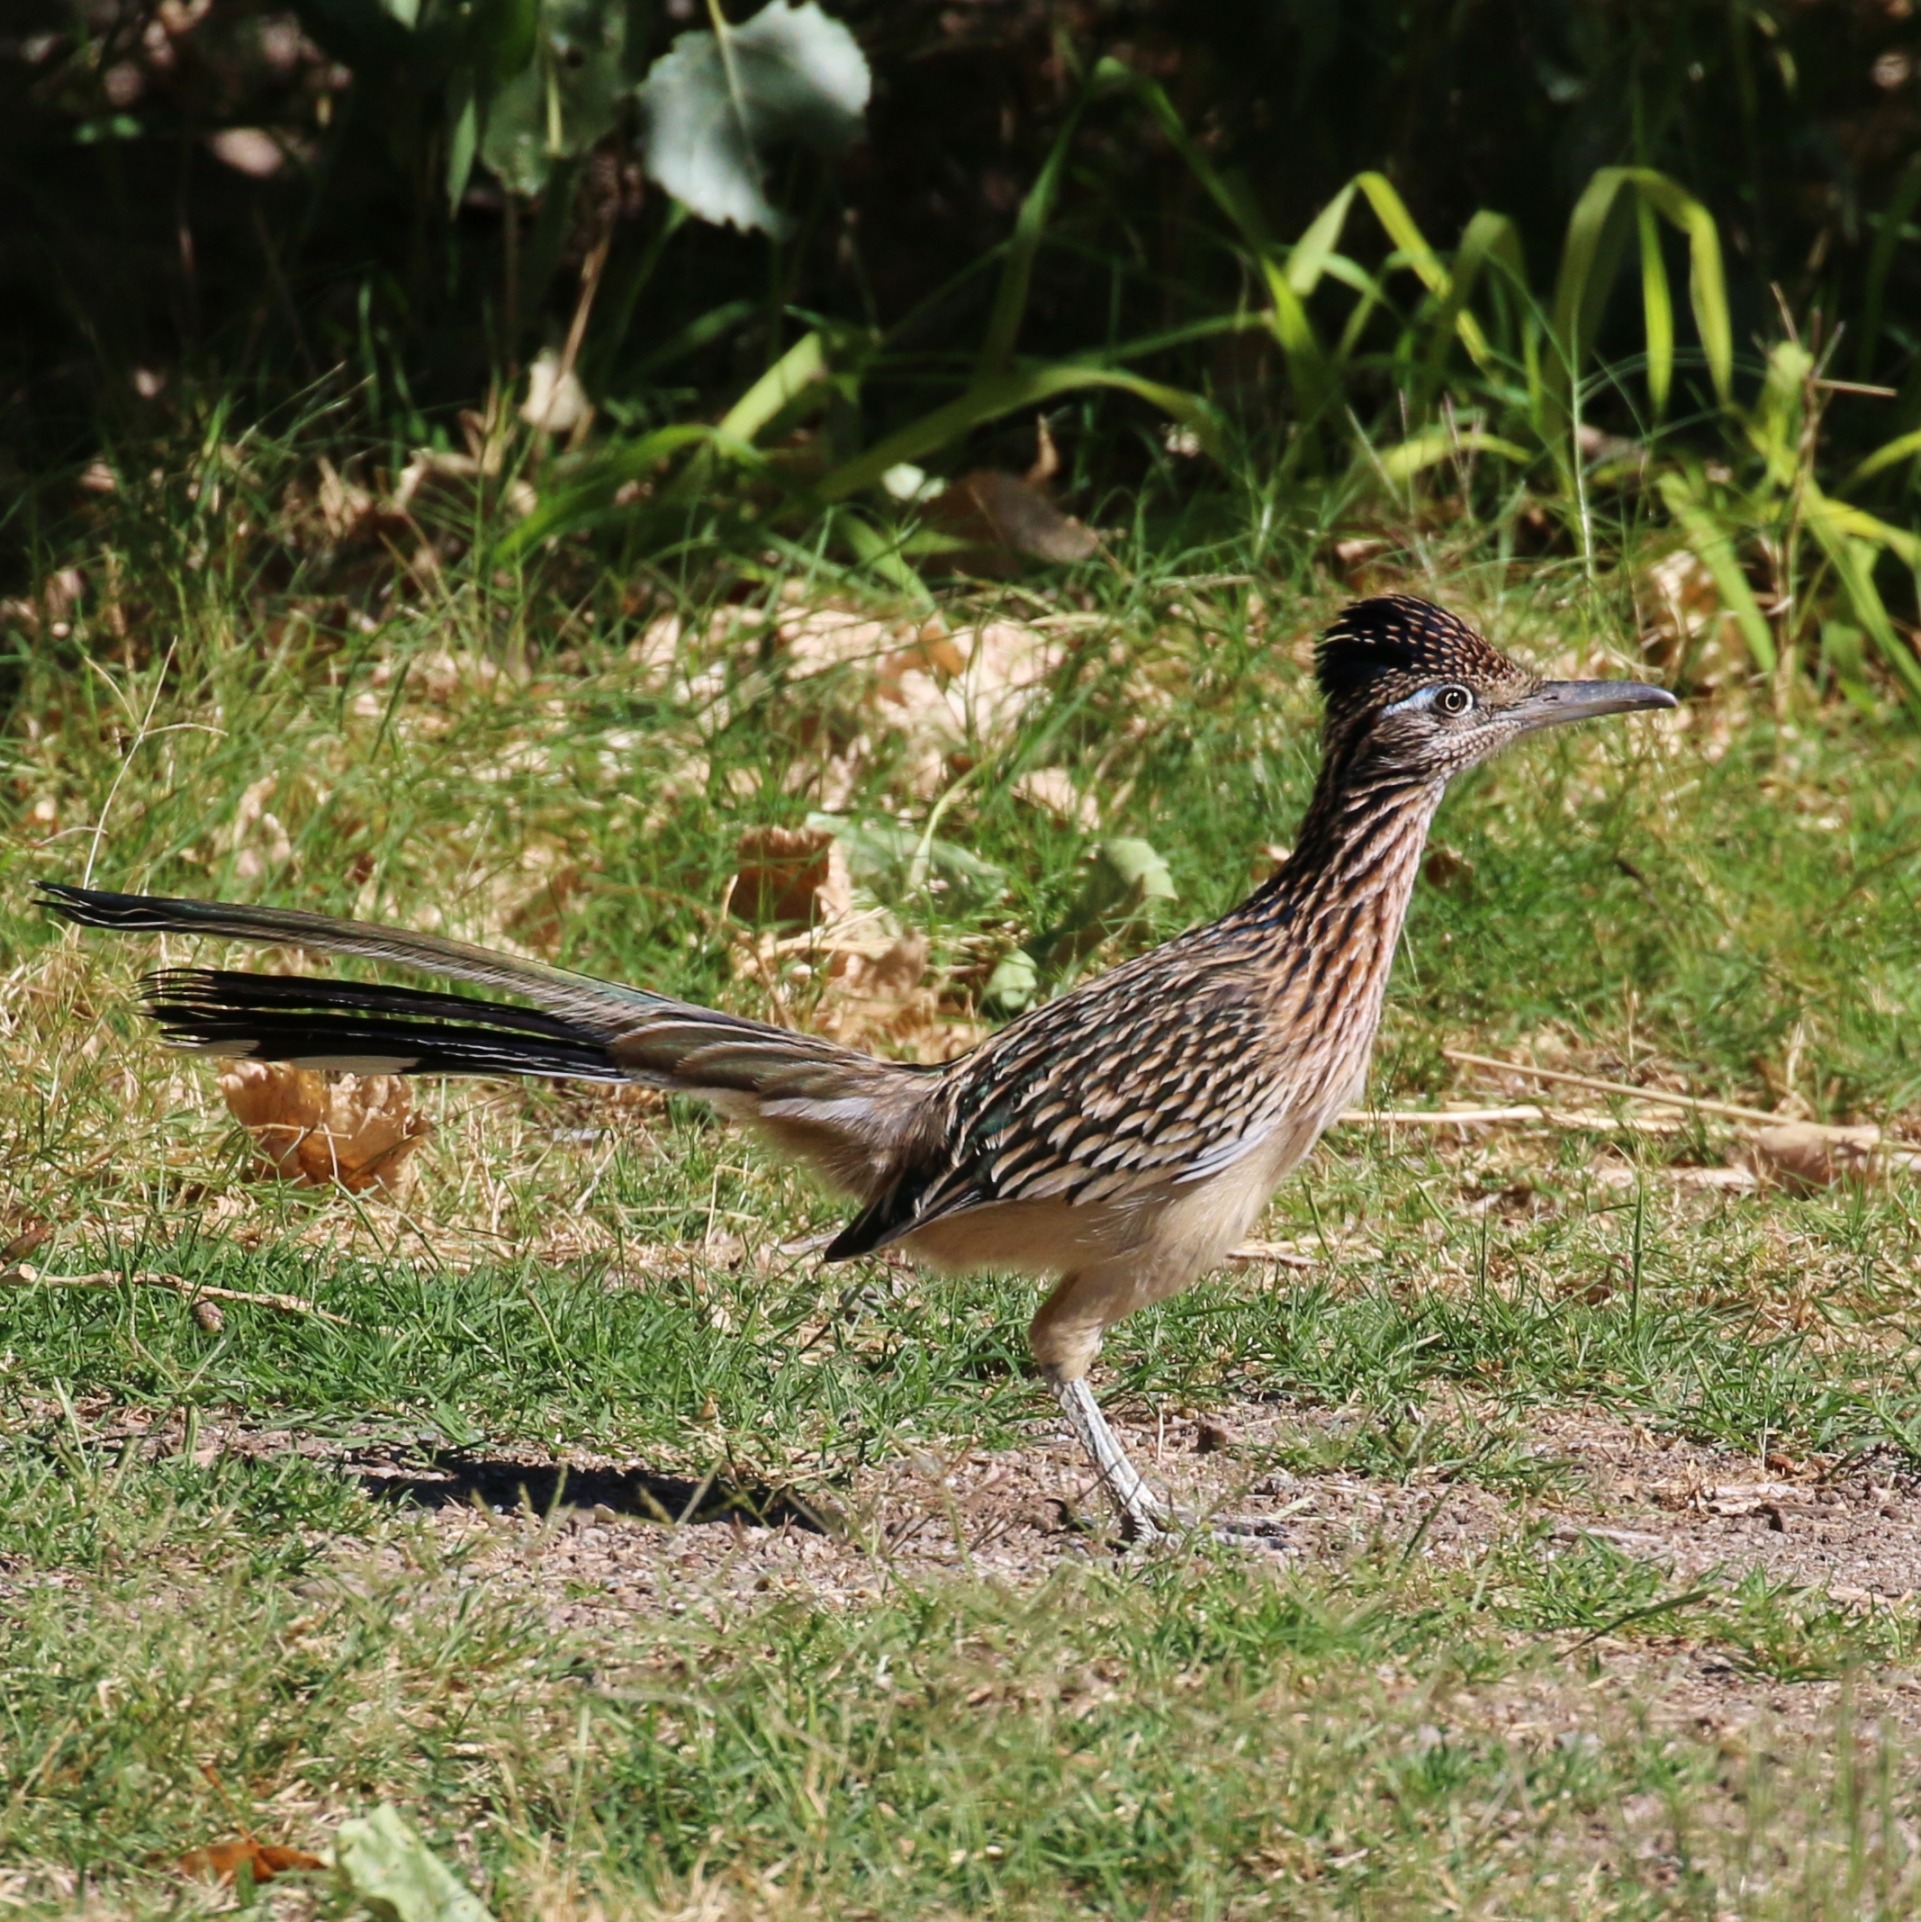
612 1538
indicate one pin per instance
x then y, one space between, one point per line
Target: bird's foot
1146 1523
1267 1533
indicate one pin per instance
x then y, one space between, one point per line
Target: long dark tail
852 1116
364 1029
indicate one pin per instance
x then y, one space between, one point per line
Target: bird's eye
1454 700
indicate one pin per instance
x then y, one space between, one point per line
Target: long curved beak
1556 702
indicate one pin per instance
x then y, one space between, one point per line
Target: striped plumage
1118 1140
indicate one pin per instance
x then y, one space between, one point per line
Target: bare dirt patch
597 1540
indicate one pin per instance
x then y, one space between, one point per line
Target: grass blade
1657 309
1004 394
1436 444
1017 270
1715 550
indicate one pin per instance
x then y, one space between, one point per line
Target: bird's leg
1144 1516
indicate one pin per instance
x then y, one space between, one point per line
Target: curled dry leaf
356 1130
878 996
223 1861
1684 617
795 876
1804 1156
1000 520
1053 789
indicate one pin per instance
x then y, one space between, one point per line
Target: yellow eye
1454 700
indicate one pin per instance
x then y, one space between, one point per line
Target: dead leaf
796 876
354 1130
1047 459
1803 1156
999 518
1053 789
556 402
223 1861
1686 625
1446 868
879 997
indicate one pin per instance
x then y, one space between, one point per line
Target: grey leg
1145 1517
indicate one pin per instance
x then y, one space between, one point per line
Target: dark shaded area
459 1478
139 251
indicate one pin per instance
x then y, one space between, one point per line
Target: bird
1115 1142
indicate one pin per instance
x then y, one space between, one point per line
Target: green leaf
717 102
1003 394
1014 984
1707 283
1391 211
506 36
1852 559
1591 256
562 100
891 860
388 1868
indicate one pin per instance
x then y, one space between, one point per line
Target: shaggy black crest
1378 647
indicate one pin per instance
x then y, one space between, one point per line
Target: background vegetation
869 606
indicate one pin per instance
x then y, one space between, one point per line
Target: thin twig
1493 1117
23 1274
1728 1110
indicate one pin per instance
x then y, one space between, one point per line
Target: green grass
215 1623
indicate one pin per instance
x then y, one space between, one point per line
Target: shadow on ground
457 1478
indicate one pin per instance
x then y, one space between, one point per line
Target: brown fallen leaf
1803 1156
1683 608
796 876
356 1130
1447 868
223 1861
1000 519
1053 789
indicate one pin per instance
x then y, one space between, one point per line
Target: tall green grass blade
1852 559
1657 309
1436 444
1004 394
1017 270
1391 211
1858 524
1489 239
1590 260
1308 258
880 553
1589 257
801 368
587 498
1707 282
1310 378
1715 550
1890 454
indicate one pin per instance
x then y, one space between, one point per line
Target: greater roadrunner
1117 1141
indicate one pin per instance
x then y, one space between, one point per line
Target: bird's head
1413 694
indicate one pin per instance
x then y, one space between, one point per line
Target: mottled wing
1103 1094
